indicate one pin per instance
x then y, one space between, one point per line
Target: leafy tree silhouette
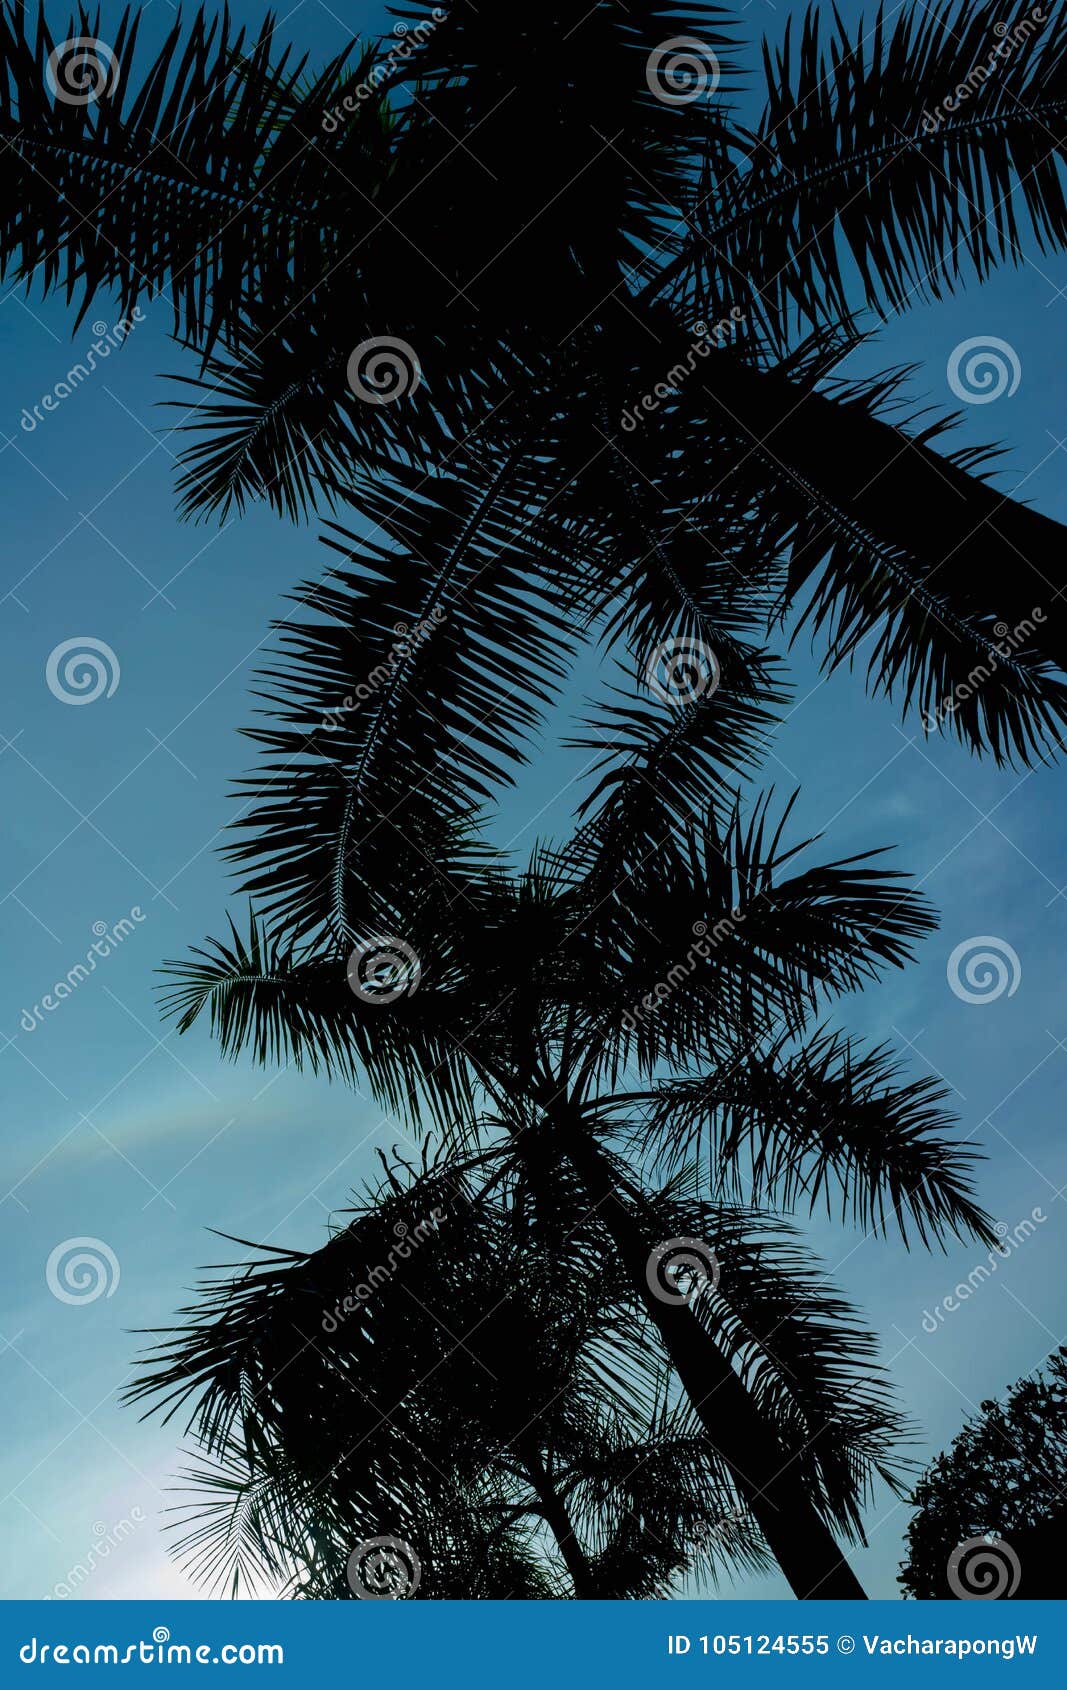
1004 1479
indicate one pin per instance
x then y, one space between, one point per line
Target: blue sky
115 1130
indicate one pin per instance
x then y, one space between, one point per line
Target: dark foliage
1005 1479
462 1367
544 288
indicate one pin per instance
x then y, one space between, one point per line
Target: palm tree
514 513
541 992
462 1364
515 244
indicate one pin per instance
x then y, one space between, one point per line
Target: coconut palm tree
458 1387
481 278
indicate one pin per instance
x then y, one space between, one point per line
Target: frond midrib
973 126
305 215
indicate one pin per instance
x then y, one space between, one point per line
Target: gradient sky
117 1130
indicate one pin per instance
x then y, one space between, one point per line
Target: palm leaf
432 657
892 161
789 1127
196 173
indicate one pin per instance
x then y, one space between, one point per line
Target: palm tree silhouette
462 1370
528 253
541 992
417 292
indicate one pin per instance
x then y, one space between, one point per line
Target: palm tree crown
526 295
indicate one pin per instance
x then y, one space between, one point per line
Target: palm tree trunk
557 1520
796 1534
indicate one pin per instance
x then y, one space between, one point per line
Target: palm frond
713 935
893 161
285 1010
902 548
195 172
407 699
240 1522
377 1333
793 1128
